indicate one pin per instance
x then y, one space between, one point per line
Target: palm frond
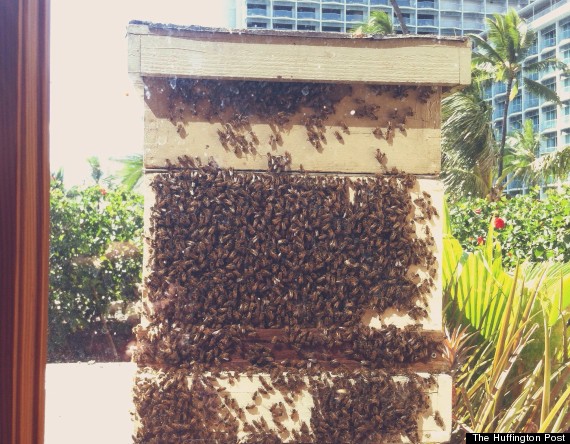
540 90
378 23
130 175
541 65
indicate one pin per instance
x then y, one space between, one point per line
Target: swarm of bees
355 407
275 102
236 254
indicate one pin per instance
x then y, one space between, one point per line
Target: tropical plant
535 229
523 161
507 340
500 58
378 23
468 143
131 174
95 267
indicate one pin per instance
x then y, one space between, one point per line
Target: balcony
426 22
548 43
450 23
547 125
470 6
354 18
257 12
564 34
306 15
498 111
426 4
331 16
282 13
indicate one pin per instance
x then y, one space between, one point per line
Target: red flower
477 210
499 223
480 240
103 191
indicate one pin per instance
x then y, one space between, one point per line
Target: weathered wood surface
207 53
413 148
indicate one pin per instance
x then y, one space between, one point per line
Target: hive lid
166 50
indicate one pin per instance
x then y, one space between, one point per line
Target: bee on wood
438 419
380 157
378 132
344 127
338 137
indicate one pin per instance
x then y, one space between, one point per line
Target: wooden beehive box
292 266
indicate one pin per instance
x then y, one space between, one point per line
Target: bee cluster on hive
271 273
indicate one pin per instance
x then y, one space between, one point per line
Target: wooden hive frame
423 67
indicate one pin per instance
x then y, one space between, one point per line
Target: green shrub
535 229
95 264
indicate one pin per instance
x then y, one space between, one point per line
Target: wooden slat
241 389
414 149
428 61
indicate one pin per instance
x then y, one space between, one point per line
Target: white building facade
442 17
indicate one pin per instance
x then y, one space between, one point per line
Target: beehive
292 264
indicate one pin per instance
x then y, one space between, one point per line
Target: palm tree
468 143
400 17
523 159
501 58
381 23
378 23
130 176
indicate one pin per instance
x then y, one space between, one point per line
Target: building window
306 13
565 30
331 14
515 124
549 38
256 25
283 11
254 9
549 118
332 29
550 142
283 25
354 16
306 27
566 138
426 20
566 84
550 83
516 104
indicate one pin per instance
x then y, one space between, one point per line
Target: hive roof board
159 50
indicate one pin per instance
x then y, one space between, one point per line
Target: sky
95 110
